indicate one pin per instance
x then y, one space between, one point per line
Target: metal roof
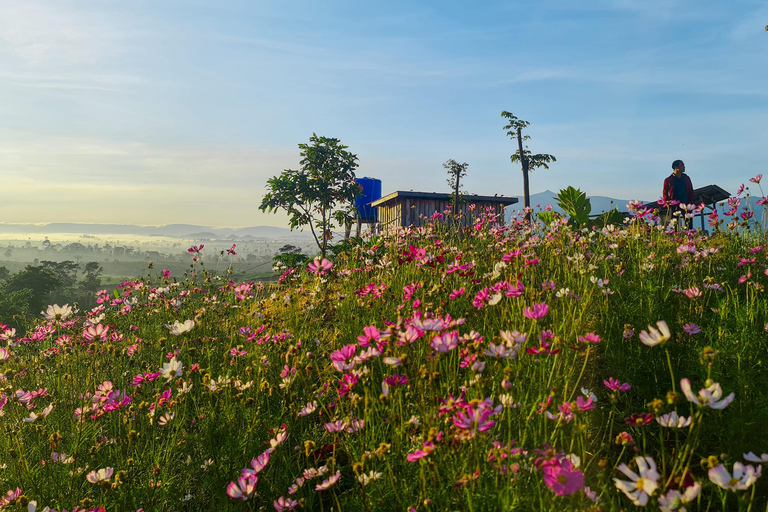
506 201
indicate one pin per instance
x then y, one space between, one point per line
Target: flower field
433 369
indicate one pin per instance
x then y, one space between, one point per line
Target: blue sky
155 112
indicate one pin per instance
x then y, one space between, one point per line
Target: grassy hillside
488 368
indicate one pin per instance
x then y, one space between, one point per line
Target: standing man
678 187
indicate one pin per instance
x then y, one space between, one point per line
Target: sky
159 112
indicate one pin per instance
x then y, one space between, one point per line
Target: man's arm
667 193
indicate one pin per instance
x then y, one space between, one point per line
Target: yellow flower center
562 479
733 482
640 483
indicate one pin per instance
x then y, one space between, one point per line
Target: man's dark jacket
669 188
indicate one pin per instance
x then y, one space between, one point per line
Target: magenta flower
455 294
320 267
562 477
96 331
195 248
341 356
590 338
639 419
370 333
245 487
756 179
538 311
476 416
615 385
425 450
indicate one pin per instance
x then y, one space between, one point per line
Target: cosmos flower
707 397
56 312
615 385
672 420
328 482
641 486
538 311
102 475
751 457
320 267
656 336
674 500
743 476
245 487
282 504
178 328
172 369
562 477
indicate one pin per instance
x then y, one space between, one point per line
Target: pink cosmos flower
102 475
336 426
328 482
341 356
476 416
756 179
320 267
370 333
425 450
562 477
615 385
282 504
445 342
538 311
590 338
244 488
455 294
96 331
258 464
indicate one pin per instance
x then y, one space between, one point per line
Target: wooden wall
407 211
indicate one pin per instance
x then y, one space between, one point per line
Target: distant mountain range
168 230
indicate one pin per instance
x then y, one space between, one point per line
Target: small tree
528 161
321 194
456 171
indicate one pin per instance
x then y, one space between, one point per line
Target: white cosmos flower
672 420
4 354
673 500
56 312
708 397
641 486
656 336
743 476
751 457
180 328
371 476
172 369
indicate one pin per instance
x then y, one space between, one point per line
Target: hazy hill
168 230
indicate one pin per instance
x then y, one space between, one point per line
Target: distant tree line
25 294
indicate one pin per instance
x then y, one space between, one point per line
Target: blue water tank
371 192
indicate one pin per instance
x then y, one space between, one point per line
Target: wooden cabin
400 209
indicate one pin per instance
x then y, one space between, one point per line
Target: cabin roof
438 196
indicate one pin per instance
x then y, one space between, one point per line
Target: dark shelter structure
400 209
709 195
